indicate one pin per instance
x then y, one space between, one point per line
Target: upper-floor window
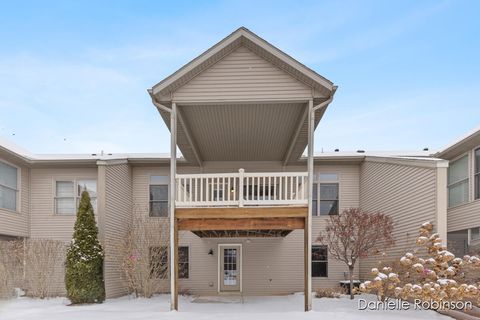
8 186
477 174
326 194
69 192
458 182
158 196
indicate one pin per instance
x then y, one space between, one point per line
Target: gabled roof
241 36
460 145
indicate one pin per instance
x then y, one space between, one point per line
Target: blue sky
74 74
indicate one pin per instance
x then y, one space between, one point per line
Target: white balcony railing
241 189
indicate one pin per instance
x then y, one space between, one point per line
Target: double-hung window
159 196
319 261
69 192
458 182
8 186
477 173
159 262
325 194
475 234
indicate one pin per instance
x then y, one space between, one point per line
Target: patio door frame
238 246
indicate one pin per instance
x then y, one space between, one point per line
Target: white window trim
157 184
18 191
470 239
474 191
318 182
469 170
76 197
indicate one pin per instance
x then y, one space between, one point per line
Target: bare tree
144 253
356 234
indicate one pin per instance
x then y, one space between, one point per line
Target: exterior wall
408 192
44 223
115 213
16 223
242 75
270 265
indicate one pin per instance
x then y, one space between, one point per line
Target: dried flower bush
329 292
436 275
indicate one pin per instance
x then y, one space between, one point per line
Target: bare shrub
329 292
144 252
43 260
11 267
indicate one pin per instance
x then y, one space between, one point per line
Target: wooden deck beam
241 213
241 224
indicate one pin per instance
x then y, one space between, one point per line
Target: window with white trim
458 182
476 173
159 262
69 192
328 193
158 196
475 234
8 186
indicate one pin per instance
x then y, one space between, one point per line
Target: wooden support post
173 224
175 261
308 220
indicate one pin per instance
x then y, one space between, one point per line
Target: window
68 194
319 261
475 234
477 174
159 196
458 182
328 193
8 186
159 262
314 200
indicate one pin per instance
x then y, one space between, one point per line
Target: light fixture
210 252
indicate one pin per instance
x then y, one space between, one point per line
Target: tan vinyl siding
16 223
45 224
464 216
242 75
270 266
407 193
116 216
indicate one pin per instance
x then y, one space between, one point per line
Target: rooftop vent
336 150
361 151
425 149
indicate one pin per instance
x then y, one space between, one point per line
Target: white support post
173 229
240 186
308 222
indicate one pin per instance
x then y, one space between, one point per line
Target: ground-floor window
159 262
319 261
474 234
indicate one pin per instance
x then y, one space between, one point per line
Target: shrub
84 267
143 255
436 275
329 292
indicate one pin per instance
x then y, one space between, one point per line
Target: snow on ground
254 308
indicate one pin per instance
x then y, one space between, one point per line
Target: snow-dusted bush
143 254
329 292
429 273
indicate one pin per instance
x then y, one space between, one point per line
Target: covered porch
241 101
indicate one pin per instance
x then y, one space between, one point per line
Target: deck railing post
240 186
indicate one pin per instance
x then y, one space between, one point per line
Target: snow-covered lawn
253 308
